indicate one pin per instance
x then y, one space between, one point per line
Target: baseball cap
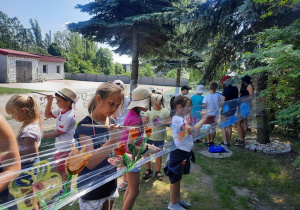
185 88
224 79
119 82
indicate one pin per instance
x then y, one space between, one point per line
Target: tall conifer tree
134 27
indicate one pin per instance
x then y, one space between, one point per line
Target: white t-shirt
212 102
121 114
65 124
182 140
30 131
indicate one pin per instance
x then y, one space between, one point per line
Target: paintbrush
40 93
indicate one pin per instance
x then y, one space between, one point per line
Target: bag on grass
216 149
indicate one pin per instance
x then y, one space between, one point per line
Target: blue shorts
137 169
159 144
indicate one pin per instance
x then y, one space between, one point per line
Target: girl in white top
183 140
24 109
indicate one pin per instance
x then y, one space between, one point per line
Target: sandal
159 177
123 188
147 175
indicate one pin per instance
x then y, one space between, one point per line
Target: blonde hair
30 105
105 90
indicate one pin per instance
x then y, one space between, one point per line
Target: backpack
216 149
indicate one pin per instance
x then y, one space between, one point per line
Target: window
58 69
45 69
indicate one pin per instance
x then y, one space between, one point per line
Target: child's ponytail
172 112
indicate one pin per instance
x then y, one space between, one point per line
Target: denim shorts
159 144
24 176
137 169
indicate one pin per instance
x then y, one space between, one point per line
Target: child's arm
32 147
11 157
101 153
202 121
49 106
50 135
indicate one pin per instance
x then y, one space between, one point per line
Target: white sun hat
200 89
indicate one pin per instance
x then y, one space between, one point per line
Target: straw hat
200 89
156 98
67 93
140 98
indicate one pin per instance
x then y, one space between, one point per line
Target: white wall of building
51 70
12 72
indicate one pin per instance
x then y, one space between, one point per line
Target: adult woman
246 93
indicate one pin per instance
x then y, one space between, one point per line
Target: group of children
109 106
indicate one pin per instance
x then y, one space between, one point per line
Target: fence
126 79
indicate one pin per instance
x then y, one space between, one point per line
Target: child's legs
158 163
240 130
132 191
175 192
108 205
213 136
122 185
245 126
223 130
208 138
228 134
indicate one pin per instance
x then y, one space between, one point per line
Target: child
197 101
120 115
159 118
25 109
100 141
10 159
65 127
178 161
140 102
211 104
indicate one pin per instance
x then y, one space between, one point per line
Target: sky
51 15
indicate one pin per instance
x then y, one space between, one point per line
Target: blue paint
225 108
245 109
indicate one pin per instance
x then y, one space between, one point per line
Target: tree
147 71
135 27
279 53
104 59
55 50
37 33
172 74
119 68
11 31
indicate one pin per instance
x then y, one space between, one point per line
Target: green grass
7 91
270 179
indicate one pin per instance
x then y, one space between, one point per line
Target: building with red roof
19 66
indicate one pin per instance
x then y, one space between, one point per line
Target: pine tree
135 27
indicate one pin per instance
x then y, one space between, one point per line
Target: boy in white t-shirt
65 127
211 103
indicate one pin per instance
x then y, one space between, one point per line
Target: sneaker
176 206
184 204
123 188
224 145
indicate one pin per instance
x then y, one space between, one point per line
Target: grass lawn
6 91
246 180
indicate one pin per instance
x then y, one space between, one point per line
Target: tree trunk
135 60
261 115
178 77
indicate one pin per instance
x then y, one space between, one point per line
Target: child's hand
203 114
115 132
49 98
152 150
